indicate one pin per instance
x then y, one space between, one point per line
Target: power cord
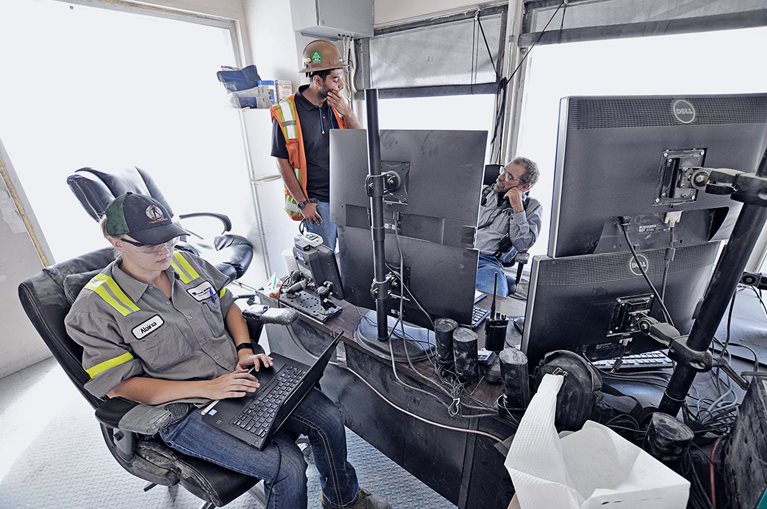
623 224
393 405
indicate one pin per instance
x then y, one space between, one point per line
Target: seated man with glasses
509 222
159 326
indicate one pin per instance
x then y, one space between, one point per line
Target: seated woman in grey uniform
159 326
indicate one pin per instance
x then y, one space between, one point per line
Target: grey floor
52 455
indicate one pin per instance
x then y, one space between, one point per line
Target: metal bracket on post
391 182
751 189
741 186
680 352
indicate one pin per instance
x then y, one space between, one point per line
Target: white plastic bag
591 468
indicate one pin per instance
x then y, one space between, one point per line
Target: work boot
365 500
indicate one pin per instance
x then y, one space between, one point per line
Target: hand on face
514 195
338 102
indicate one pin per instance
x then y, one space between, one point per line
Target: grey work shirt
183 338
497 221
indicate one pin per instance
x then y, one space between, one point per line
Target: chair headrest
491 174
96 188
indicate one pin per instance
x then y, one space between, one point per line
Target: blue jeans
487 268
326 229
317 417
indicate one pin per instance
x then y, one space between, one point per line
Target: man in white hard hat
301 137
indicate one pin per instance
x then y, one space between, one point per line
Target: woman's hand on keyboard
231 385
256 361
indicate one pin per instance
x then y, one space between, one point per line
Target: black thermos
465 354
443 330
516 386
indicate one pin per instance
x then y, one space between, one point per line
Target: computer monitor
589 303
440 176
430 222
440 277
623 172
625 156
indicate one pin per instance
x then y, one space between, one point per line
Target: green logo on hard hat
316 57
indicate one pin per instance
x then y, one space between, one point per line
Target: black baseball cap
142 217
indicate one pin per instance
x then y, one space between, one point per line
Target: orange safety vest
286 115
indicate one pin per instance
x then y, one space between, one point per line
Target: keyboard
256 418
641 361
478 316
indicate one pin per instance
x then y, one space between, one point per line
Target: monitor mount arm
680 352
758 281
751 189
744 187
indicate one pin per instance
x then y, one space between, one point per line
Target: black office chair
522 257
46 298
230 253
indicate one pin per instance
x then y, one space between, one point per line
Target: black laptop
256 417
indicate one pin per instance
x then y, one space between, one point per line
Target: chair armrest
256 316
266 314
113 410
227 223
126 415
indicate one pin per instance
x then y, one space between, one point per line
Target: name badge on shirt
144 329
201 292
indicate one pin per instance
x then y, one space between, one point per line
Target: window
700 63
106 88
460 112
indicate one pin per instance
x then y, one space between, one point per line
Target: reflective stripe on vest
286 115
99 368
108 289
287 118
182 267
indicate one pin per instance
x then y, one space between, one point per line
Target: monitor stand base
418 345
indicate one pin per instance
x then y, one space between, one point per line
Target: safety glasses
151 248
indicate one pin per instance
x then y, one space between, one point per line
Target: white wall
20 345
275 50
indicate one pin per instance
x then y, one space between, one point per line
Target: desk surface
350 315
461 463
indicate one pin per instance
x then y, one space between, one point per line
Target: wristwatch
302 204
243 346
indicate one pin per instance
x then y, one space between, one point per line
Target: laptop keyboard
257 417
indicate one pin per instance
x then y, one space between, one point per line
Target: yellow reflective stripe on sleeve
222 293
98 285
117 291
182 267
99 368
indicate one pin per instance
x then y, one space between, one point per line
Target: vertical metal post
376 205
723 284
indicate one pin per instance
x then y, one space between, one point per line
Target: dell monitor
430 221
622 181
590 304
628 156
